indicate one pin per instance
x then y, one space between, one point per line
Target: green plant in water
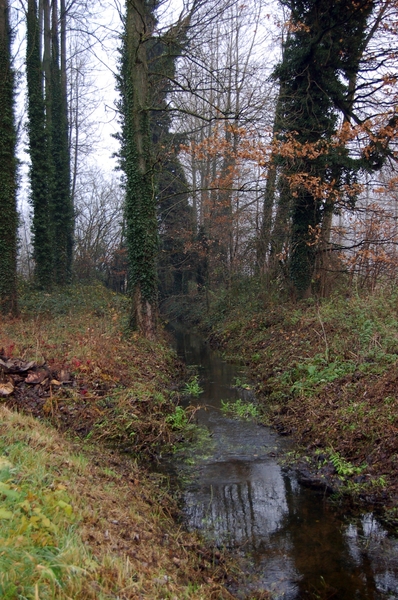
242 384
239 409
192 388
179 419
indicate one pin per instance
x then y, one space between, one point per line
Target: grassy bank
84 404
326 372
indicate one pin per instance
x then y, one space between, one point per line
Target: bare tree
99 227
224 106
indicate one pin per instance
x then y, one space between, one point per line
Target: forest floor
83 406
325 373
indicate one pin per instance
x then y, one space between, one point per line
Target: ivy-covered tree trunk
320 56
8 210
175 215
39 173
141 221
53 215
62 208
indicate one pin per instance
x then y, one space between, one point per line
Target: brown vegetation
79 372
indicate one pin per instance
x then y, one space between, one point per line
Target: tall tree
53 220
175 216
141 221
39 173
321 57
9 218
225 105
62 208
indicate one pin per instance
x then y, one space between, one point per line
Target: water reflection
237 502
298 544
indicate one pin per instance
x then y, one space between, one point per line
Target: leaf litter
82 374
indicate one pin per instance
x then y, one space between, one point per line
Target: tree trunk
141 219
8 209
263 247
326 45
38 150
265 237
63 220
323 265
281 231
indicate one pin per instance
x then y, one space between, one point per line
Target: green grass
41 555
72 299
239 409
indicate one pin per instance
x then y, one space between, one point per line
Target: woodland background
256 142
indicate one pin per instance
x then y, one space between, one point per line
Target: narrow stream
291 541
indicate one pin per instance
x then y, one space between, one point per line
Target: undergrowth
40 553
119 384
71 527
82 521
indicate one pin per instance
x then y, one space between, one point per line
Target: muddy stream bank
291 541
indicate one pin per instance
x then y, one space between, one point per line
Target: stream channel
289 540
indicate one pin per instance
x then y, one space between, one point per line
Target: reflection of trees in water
297 540
241 506
322 551
375 554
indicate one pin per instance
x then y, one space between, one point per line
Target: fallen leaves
6 389
29 382
15 365
35 377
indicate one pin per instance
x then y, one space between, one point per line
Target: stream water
291 541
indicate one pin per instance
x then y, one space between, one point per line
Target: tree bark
8 209
141 219
63 220
38 150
